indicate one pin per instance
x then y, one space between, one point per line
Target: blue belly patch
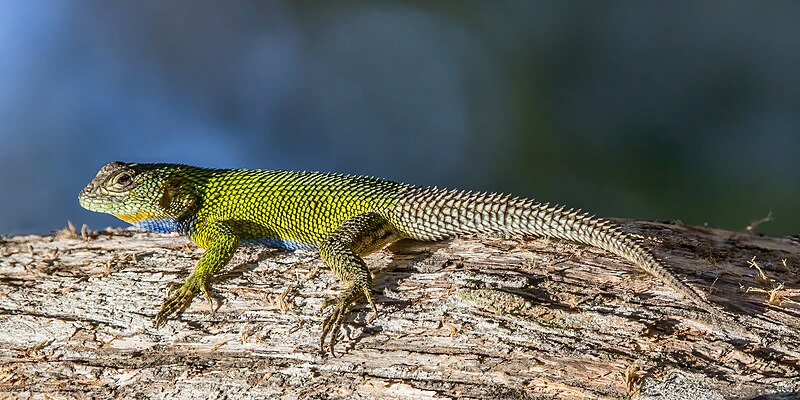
167 225
282 244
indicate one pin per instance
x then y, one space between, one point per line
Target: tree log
477 317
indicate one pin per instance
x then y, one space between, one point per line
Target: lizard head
144 195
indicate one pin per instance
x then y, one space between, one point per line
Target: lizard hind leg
342 251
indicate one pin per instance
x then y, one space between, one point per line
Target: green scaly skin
343 217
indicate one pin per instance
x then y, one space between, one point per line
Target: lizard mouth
85 199
134 218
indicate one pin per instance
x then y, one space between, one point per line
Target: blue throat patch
165 225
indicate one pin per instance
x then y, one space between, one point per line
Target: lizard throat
152 223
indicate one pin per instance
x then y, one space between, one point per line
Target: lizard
343 217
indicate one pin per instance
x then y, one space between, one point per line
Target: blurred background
657 110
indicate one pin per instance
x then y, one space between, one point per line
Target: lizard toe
179 300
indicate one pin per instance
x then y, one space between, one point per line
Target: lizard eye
123 179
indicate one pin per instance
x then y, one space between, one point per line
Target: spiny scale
344 217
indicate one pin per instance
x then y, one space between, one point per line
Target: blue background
659 110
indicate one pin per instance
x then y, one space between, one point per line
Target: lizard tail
426 213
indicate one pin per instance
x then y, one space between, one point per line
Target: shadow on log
476 317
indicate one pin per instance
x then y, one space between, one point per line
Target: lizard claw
371 301
206 289
331 324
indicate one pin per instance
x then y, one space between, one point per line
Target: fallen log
477 317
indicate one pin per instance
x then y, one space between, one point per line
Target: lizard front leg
220 242
342 251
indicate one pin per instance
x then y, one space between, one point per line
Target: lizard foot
181 298
332 324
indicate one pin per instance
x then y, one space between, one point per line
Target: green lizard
343 217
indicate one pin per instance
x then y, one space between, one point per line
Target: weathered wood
469 318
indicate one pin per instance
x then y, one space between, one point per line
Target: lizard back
292 209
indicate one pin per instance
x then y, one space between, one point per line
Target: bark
476 317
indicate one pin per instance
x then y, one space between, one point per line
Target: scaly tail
425 213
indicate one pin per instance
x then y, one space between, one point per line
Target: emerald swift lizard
343 217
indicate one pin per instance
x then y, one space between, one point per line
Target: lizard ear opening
176 202
165 200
